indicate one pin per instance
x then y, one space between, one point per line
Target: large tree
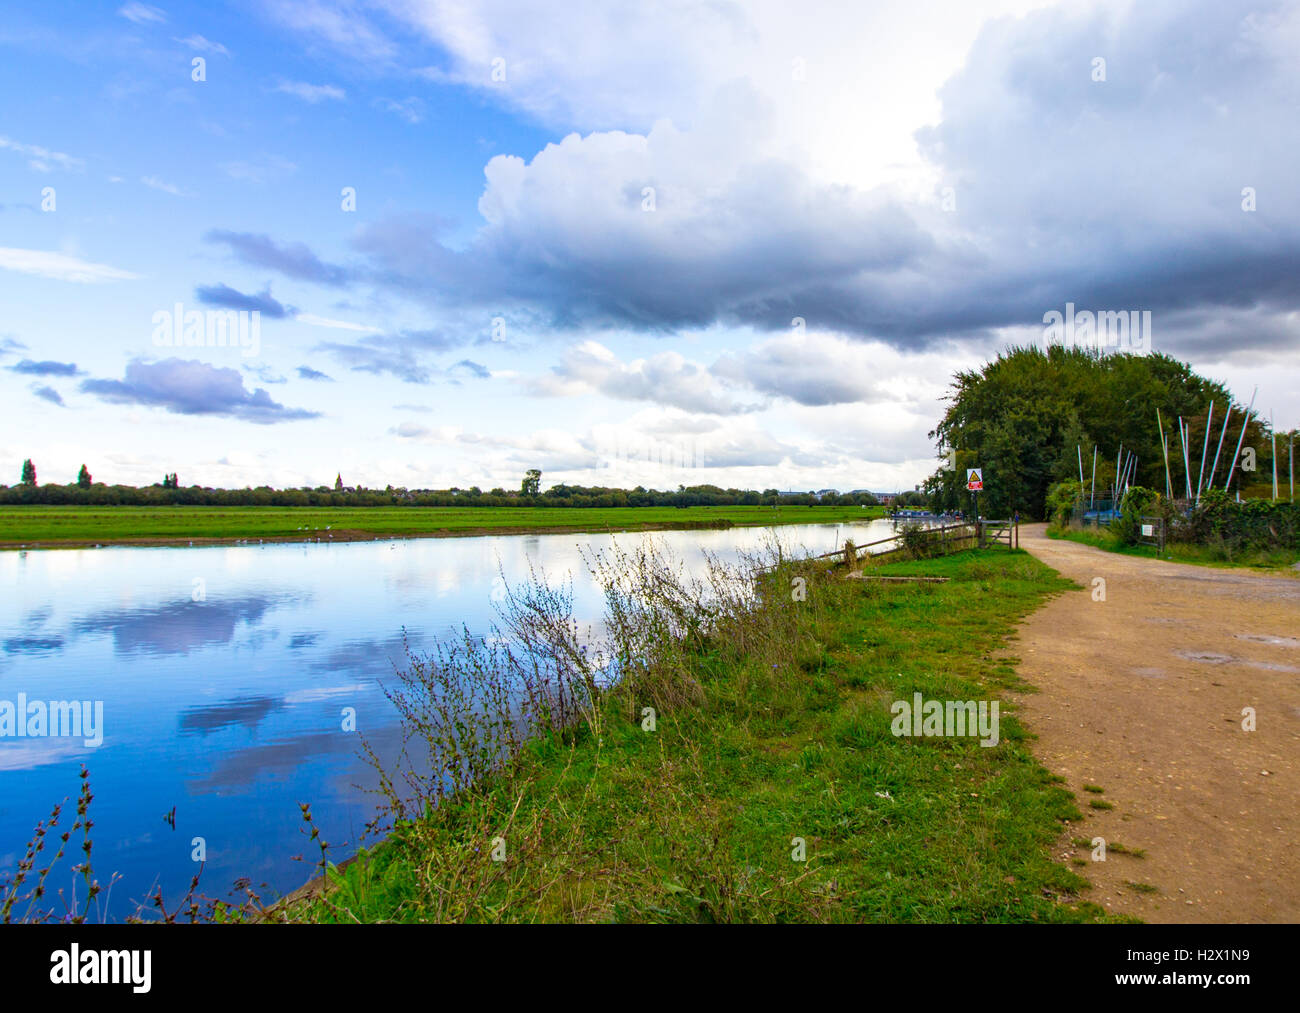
29 473
1028 416
83 478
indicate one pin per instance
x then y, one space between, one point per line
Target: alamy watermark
946 718
1113 330
181 328
666 455
37 719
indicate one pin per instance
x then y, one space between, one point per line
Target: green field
52 527
772 788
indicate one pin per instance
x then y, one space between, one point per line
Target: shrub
1250 524
1063 499
916 541
1138 502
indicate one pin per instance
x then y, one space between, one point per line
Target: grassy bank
52 527
772 728
1277 560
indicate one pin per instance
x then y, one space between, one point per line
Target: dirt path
1142 695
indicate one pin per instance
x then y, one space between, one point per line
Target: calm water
229 709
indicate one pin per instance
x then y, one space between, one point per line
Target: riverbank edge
358 535
291 906
364 536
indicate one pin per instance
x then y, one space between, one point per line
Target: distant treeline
322 496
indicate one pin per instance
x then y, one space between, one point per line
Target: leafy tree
29 473
532 482
1023 417
83 478
338 482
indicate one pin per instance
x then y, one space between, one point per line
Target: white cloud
266 169
312 93
154 183
342 25
847 83
665 378
59 266
204 45
142 13
342 325
410 109
724 211
40 158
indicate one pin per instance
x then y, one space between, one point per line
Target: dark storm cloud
1127 193
189 387
1116 194
232 299
804 373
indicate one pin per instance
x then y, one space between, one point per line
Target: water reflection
177 627
230 709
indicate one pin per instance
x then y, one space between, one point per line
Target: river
225 677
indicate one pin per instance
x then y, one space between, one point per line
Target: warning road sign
974 479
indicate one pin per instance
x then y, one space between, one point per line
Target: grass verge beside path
68 526
1272 560
778 727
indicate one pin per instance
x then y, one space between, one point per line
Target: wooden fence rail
982 532
942 531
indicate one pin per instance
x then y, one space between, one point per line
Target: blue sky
639 244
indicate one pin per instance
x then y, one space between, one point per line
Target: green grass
50 526
1179 552
772 738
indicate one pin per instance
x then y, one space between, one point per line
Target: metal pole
1092 496
1079 450
1236 454
1209 482
1164 449
1180 437
1114 489
1205 446
1272 436
1187 461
